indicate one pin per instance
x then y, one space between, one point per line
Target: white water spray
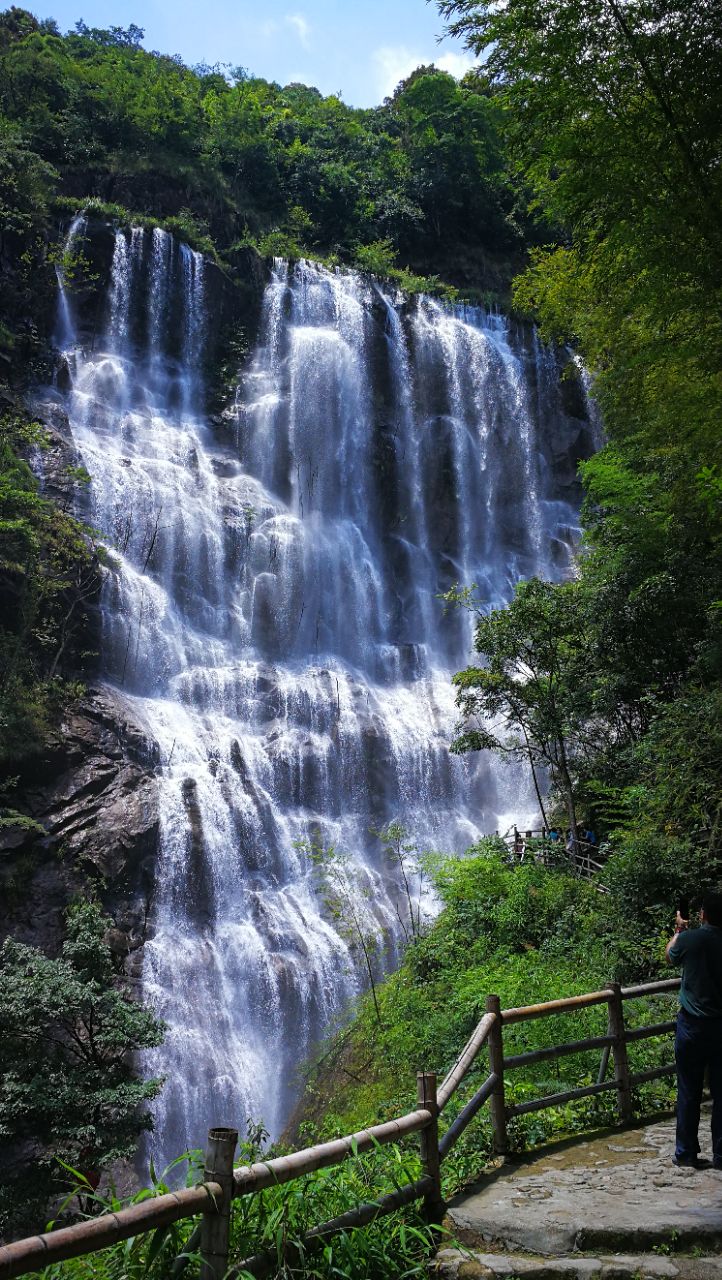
272 613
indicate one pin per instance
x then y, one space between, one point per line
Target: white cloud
301 26
395 62
457 64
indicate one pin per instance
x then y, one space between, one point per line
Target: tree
527 702
637 82
402 853
343 898
454 172
425 171
613 116
69 1089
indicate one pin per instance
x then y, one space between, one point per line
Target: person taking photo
698 1039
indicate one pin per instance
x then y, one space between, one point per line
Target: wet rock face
93 790
93 787
54 465
101 803
233 300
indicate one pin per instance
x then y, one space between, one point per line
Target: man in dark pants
698 1043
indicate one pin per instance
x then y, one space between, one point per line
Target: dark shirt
699 951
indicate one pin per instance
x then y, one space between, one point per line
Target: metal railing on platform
547 845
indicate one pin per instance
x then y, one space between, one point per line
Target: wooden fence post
429 1142
497 1103
621 1061
216 1226
606 1051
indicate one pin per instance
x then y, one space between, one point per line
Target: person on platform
698 1041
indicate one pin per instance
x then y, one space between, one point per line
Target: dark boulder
92 790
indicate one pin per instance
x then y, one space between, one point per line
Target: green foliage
48 574
531 685
26 187
275 1222
612 115
379 258
419 183
528 933
67 1030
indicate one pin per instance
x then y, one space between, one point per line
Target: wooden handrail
559 1099
654 1073
38 1252
464 1118
255 1177
569 1003
666 985
566 1005
556 1051
646 1033
477 1039
588 1091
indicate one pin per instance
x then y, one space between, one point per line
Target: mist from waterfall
271 611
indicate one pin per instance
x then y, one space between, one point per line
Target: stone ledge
613 1193
460 1264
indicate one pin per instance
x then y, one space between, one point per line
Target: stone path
456 1264
615 1198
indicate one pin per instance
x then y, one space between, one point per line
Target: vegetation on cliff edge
418 186
48 577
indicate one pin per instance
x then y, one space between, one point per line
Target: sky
361 48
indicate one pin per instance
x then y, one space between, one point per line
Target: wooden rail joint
429 1143
619 1049
500 1141
216 1226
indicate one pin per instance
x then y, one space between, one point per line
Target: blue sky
361 49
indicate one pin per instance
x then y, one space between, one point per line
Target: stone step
617 1192
472 1264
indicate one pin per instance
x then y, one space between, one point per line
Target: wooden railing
584 857
222 1183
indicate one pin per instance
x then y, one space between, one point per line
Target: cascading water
271 610
65 325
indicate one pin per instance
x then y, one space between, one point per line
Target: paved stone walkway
617 1196
467 1264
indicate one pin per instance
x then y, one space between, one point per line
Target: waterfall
65 320
272 612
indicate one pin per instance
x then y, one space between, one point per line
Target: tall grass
273 1222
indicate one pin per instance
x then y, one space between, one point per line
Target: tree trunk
533 774
568 792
